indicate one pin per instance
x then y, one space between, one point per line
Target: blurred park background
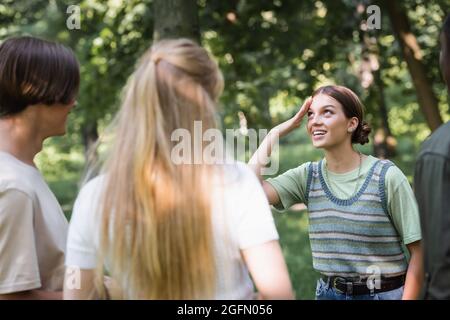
273 54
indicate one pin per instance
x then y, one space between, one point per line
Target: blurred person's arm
268 270
83 288
19 265
32 295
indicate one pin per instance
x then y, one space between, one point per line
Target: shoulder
14 195
237 183
238 169
297 176
89 196
304 167
244 206
19 176
438 143
302 170
93 186
392 171
84 214
387 169
386 164
15 205
236 174
13 181
393 176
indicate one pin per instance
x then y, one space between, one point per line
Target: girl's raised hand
286 127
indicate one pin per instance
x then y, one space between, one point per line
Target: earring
350 129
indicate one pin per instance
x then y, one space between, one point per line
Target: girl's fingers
305 107
307 103
295 121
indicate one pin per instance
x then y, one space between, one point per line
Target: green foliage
62 165
273 54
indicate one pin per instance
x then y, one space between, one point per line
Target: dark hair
36 71
352 108
445 48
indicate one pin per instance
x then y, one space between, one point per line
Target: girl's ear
352 124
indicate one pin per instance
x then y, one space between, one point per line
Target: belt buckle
335 279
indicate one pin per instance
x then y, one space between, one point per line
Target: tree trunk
413 56
90 136
384 142
176 19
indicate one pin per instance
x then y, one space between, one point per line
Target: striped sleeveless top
353 237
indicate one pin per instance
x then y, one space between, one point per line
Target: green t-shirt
401 203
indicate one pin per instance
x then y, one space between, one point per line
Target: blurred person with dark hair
432 189
39 82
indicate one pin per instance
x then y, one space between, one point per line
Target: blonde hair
156 233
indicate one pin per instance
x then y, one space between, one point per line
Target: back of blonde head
156 232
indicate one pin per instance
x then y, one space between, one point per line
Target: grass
293 231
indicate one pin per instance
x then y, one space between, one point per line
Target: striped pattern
350 237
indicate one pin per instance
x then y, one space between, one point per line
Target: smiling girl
361 209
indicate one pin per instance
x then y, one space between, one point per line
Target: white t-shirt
33 230
241 219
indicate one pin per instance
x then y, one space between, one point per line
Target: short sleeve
291 186
256 223
402 206
81 244
19 268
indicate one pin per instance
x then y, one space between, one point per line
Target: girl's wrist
274 133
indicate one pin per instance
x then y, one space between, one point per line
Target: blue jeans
325 292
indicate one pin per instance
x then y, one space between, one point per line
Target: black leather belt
361 286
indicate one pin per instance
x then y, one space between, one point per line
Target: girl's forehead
321 100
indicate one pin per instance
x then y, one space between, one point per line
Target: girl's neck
21 142
342 159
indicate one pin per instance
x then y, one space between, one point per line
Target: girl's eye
309 114
328 112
